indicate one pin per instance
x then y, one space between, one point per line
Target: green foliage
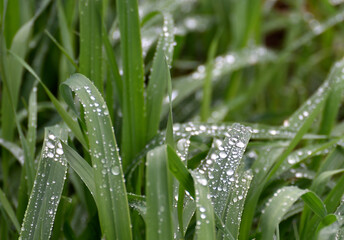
173 119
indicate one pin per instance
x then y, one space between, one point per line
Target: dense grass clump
172 119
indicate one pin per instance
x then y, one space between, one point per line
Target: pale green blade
46 192
15 150
159 202
222 164
276 207
225 64
111 193
156 90
205 220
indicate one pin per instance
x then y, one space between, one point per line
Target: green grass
171 119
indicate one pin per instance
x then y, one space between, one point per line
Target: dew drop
115 170
59 151
240 144
230 172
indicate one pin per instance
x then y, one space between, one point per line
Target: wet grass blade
187 85
90 13
159 202
32 124
222 163
111 193
46 193
14 149
205 220
133 109
156 90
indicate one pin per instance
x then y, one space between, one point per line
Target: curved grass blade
15 150
111 193
159 77
336 230
319 183
282 200
6 205
68 119
300 122
205 220
276 207
46 192
159 202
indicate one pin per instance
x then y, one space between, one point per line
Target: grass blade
46 193
134 118
179 170
5 204
276 207
91 27
222 163
156 90
81 167
205 223
159 204
106 163
72 124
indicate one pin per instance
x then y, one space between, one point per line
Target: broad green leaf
91 16
47 189
205 220
107 169
159 204
133 108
